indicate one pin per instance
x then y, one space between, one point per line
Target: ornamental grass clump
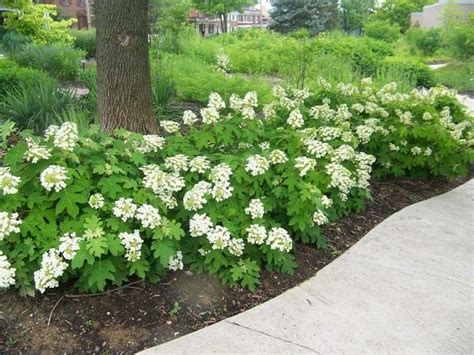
229 197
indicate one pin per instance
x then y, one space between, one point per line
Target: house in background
81 10
250 17
432 15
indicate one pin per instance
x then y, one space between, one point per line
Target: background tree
221 8
123 66
354 13
314 15
399 11
36 21
168 18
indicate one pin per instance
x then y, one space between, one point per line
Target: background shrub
382 30
85 40
420 74
58 60
13 41
427 42
12 76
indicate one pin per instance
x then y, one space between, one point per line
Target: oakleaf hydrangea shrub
422 133
229 197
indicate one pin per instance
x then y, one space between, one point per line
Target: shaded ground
142 315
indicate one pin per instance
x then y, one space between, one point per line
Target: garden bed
141 315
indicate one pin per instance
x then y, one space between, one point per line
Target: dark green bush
382 31
365 54
12 41
425 41
12 76
85 40
419 73
58 60
36 106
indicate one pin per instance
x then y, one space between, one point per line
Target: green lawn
458 75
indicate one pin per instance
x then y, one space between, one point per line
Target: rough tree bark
123 66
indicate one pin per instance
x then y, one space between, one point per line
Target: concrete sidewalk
406 287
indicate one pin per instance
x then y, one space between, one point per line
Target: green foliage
12 41
196 80
426 42
382 30
315 16
59 60
458 36
420 74
38 22
354 13
84 40
457 75
36 105
12 77
164 92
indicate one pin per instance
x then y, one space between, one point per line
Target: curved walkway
406 287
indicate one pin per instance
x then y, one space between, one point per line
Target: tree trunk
123 66
225 22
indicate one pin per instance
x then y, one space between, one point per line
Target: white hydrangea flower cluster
52 268
66 136
169 126
199 225
317 148
8 182
279 239
341 178
50 131
175 262
220 177
151 143
133 245
219 237
148 216
343 153
256 234
264 145
416 150
195 199
326 201
257 165
53 177
393 147
199 164
124 208
327 133
304 164
222 62
277 157
255 208
295 119
69 245
348 89
177 163
36 152
236 246
163 184
405 117
269 111
364 168
245 106
96 201
210 114
7 272
320 218
189 118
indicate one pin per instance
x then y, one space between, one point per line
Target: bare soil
142 315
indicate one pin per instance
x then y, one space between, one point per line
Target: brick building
81 10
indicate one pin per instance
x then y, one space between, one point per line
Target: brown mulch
142 315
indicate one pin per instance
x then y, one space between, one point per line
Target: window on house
64 2
210 28
81 3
